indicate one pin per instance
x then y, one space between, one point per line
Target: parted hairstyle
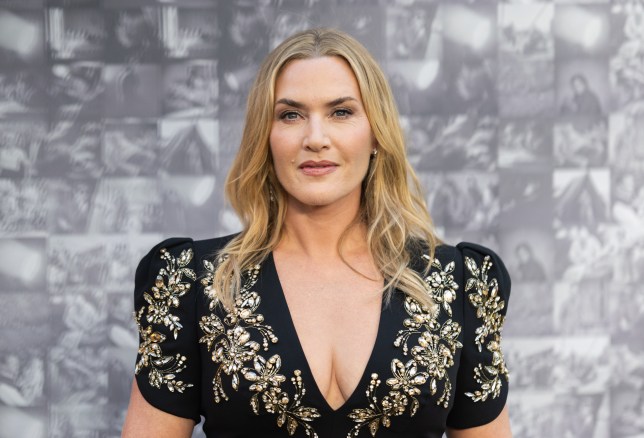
391 204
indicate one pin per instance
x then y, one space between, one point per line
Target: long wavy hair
391 206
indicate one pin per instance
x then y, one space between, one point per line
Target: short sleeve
482 382
168 366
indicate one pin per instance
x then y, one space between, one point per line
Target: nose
316 137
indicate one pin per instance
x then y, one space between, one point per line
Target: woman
336 311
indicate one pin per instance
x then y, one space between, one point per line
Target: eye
342 113
289 115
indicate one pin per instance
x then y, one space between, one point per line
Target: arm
497 428
145 421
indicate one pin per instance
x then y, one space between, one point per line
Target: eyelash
286 114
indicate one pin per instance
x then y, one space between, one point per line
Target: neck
314 231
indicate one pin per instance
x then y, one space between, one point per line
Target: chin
315 199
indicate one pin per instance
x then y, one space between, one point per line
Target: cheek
281 152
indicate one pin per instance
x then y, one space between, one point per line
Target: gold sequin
233 349
431 357
489 307
165 295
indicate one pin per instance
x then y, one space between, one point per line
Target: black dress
244 370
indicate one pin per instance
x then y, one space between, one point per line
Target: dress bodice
244 370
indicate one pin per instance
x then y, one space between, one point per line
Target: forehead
312 78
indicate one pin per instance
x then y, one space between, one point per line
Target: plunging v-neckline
365 376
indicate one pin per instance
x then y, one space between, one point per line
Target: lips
317 168
317 164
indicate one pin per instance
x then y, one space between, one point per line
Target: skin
324 121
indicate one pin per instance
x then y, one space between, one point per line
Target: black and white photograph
191 89
626 138
31 422
77 89
122 254
367 24
581 30
189 147
72 150
525 31
581 364
417 85
230 133
300 16
22 378
78 376
469 86
121 328
134 34
525 88
413 32
123 205
627 60
627 322
20 140
84 318
582 415
532 358
190 32
77 264
531 413
23 264
463 141
582 304
130 147
81 420
191 203
582 87
533 311
525 144
532 249
22 206
468 200
245 27
627 410
132 90
22 38
22 91
76 33
525 198
580 141
581 197
627 207
69 205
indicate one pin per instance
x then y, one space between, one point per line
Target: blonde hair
392 205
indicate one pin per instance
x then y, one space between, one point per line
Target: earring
271 194
375 152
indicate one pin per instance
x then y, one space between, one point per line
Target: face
321 140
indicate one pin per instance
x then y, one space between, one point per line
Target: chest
336 314
320 352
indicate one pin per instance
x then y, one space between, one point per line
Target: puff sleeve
482 381
167 365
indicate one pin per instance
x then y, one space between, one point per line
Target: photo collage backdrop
524 120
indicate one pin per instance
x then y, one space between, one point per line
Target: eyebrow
334 102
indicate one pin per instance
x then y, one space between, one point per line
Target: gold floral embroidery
232 348
168 288
391 405
489 306
431 358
